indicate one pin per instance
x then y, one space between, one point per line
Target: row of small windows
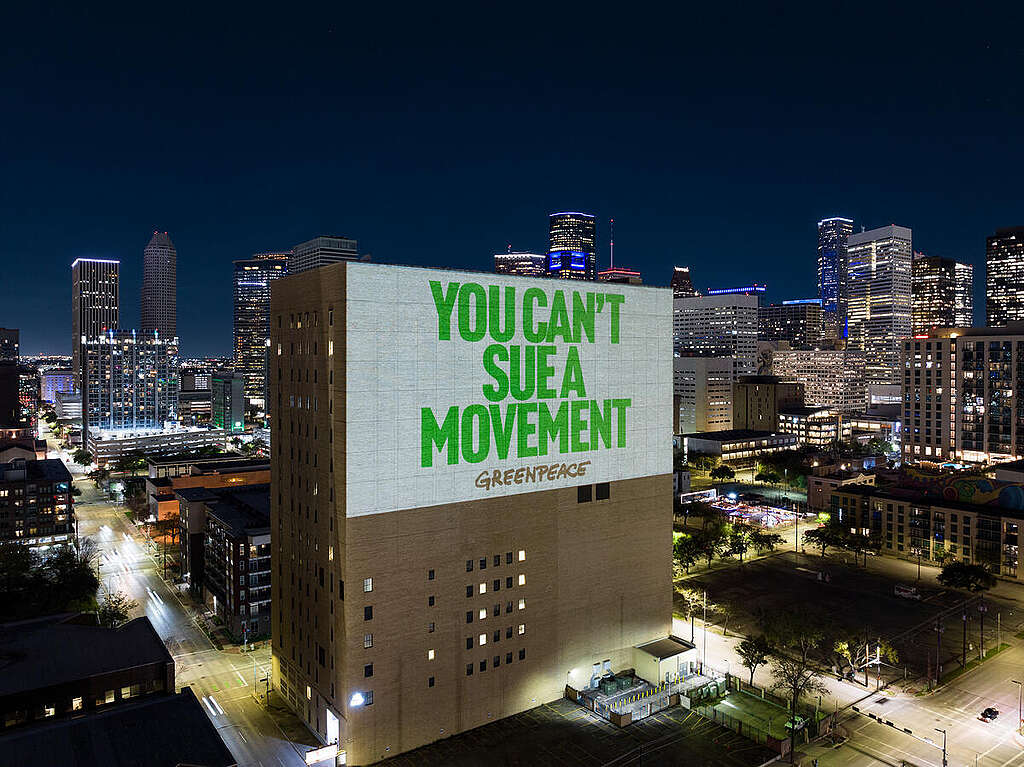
521 557
495 663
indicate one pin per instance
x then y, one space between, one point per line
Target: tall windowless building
252 319
832 244
437 569
320 251
1004 277
95 302
160 286
572 248
879 264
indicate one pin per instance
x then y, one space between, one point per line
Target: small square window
522 555
469 616
497 635
508 557
367 641
497 584
430 681
469 565
430 655
368 697
469 669
497 560
496 610
522 654
469 591
522 579
508 582
430 628
483 613
522 604
469 643
483 588
368 670
367 584
497 661
522 629
508 633
430 601
583 493
483 665
483 563
508 607
368 612
601 491
482 639
430 575
508 657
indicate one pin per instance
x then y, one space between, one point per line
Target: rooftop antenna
509 249
611 242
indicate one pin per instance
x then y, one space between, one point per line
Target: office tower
194 397
131 382
620 275
702 387
54 382
523 264
227 400
798 321
834 378
320 251
832 244
758 399
718 326
682 285
819 427
160 287
878 278
10 344
252 319
961 395
474 612
1004 277
95 302
572 246
942 292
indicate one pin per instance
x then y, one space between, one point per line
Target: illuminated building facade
718 326
943 294
798 321
321 251
833 234
1004 277
702 387
834 378
621 275
252 280
35 502
227 400
682 284
95 302
160 287
879 304
572 246
523 264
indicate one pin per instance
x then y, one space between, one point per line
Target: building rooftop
156 731
803 410
44 652
241 508
666 647
45 470
733 435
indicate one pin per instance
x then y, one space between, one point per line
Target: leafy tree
16 565
691 602
685 552
115 609
712 540
800 630
754 652
739 542
961 575
860 651
704 461
723 472
795 678
824 538
762 540
82 457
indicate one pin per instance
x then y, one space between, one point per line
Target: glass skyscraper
95 304
572 250
832 242
160 286
943 293
1004 277
252 319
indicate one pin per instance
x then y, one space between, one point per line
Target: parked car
989 714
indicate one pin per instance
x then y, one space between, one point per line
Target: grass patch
973 663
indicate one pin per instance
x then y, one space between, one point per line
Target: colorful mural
965 487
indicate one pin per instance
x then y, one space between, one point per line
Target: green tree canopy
961 575
754 652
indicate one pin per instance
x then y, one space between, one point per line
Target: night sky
716 139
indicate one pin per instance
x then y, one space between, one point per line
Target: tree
739 542
860 651
722 472
685 552
968 577
824 538
795 678
691 602
82 457
115 609
704 461
801 630
754 652
762 540
712 540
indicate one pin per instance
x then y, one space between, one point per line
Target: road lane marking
241 678
213 700
206 702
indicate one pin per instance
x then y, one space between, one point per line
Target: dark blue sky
435 136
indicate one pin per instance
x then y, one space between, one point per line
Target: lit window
367 584
330 346
483 588
483 613
522 604
430 655
522 555
482 639
367 641
76 704
522 579
522 628
309 692
49 710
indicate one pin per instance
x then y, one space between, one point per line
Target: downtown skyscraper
160 286
833 234
321 251
572 248
95 305
943 293
1004 277
879 301
252 280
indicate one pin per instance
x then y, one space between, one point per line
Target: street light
1020 700
944 762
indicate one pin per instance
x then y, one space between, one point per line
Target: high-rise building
572 246
832 244
702 387
621 275
798 321
718 326
878 275
833 378
160 287
320 251
523 264
95 302
56 381
943 294
252 319
961 395
19 395
682 285
227 400
758 399
474 612
36 506
10 344
1004 277
131 382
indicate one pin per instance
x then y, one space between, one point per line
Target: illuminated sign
755 288
462 386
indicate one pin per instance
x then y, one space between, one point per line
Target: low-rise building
107 446
36 506
739 448
56 381
821 488
160 491
758 399
814 426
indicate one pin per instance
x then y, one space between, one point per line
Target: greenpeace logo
525 475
